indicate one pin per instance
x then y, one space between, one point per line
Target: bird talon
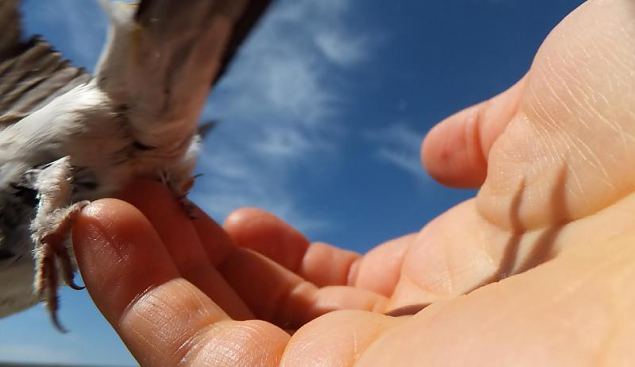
188 207
52 256
46 283
71 283
180 189
57 324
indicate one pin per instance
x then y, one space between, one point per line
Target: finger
216 241
455 151
163 319
337 339
379 270
318 263
327 265
268 235
276 294
182 242
111 231
170 222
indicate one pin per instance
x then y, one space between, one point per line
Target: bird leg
50 228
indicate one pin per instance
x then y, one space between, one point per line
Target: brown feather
248 20
31 72
242 30
10 25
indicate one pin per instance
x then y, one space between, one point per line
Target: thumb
455 151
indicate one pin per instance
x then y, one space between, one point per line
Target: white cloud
283 143
278 86
311 11
399 146
401 159
340 48
279 108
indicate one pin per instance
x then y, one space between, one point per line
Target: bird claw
52 255
180 189
188 207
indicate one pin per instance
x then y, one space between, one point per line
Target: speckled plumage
66 136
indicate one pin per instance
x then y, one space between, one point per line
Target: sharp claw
71 283
64 258
56 323
52 306
188 207
49 291
54 253
180 189
50 229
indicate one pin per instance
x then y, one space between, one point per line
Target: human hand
178 291
557 149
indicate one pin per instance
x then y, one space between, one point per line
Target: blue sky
321 118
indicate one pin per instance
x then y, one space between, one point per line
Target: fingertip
337 338
455 151
98 218
452 152
240 216
252 342
119 255
342 265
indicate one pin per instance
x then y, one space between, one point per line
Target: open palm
536 270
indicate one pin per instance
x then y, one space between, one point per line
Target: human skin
537 270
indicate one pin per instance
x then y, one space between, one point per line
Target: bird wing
245 24
32 73
163 55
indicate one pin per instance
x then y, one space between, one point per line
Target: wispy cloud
341 48
280 109
399 146
285 70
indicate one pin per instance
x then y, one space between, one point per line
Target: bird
68 137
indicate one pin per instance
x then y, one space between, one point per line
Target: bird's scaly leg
50 229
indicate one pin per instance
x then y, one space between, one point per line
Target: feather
243 28
163 59
31 72
11 28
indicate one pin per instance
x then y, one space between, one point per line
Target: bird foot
53 220
51 256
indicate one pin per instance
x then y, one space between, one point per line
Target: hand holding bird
67 137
